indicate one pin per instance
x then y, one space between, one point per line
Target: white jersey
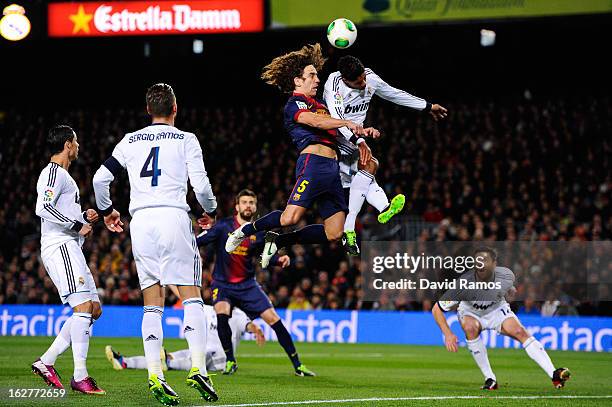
351 104
159 160
58 204
484 302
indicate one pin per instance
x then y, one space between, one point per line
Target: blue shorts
318 180
247 295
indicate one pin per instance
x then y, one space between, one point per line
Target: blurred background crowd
524 168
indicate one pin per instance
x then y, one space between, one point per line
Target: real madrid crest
14 26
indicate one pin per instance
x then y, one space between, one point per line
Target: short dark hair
58 136
350 67
160 100
487 249
245 192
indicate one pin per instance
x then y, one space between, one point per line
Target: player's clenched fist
206 221
357 129
86 230
92 216
113 221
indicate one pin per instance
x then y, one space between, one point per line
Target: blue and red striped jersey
301 134
237 266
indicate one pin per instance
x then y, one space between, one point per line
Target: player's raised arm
328 123
450 339
101 183
403 98
198 176
48 190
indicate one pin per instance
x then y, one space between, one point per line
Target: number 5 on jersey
302 186
154 172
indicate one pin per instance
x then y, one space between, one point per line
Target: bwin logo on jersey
482 307
354 109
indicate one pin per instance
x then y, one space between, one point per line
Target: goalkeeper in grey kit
480 310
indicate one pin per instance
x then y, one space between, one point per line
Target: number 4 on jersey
154 172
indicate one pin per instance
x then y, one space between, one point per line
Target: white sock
359 189
59 345
377 197
536 351
479 353
79 336
135 362
152 338
194 328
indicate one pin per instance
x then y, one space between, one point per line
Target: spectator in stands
493 171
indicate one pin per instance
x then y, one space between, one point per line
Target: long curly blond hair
281 71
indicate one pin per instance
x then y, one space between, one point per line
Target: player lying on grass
181 360
348 93
234 283
314 134
63 230
476 316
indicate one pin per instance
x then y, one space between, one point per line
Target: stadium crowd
518 170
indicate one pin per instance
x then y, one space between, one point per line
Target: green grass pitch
345 372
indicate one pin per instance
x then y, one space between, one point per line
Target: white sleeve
335 103
239 321
197 175
397 96
48 192
103 178
448 305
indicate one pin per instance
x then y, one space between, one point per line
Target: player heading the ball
348 93
314 134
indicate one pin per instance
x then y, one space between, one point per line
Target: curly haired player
314 134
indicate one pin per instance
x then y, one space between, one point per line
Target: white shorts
492 320
69 272
348 168
164 247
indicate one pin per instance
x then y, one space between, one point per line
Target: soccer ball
341 33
